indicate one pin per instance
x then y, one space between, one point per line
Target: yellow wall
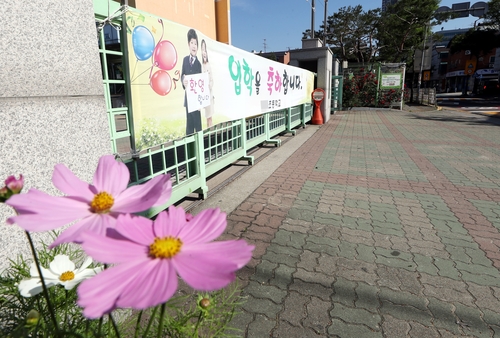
197 14
223 20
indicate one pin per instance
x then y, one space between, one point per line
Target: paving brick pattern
383 224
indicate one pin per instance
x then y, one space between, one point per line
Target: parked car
491 87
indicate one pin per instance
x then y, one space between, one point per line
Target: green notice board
390 81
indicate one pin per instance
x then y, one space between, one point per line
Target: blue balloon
143 43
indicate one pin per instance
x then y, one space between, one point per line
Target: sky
277 25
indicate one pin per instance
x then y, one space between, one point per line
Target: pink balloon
165 55
161 82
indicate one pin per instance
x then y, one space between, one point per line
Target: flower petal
33 286
109 250
166 192
203 272
211 266
111 176
41 212
79 277
138 284
64 180
98 295
141 197
61 264
47 274
136 228
154 285
200 277
84 265
238 252
97 223
204 227
169 223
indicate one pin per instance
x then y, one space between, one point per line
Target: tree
478 41
351 33
403 26
492 16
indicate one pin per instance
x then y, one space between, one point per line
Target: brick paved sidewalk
384 223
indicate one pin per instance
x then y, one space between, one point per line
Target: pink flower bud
14 185
4 194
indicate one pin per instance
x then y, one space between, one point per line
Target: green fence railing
192 159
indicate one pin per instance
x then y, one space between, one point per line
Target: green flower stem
138 324
66 309
112 320
200 318
99 330
44 287
150 321
162 316
108 329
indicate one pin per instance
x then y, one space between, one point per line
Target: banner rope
109 20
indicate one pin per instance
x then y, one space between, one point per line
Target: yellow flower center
66 276
166 247
102 203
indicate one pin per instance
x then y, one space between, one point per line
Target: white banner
183 82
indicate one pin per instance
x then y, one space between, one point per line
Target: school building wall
52 107
52 104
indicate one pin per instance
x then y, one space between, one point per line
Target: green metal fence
192 159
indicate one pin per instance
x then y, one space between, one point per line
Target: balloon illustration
161 82
143 43
165 55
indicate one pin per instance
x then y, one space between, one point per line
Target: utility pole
421 65
312 19
324 23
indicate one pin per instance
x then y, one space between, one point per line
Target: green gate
337 84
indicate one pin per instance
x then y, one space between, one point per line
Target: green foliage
152 134
403 27
361 90
479 42
183 316
16 311
351 33
389 96
391 36
492 16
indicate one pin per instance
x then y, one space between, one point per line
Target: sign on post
470 67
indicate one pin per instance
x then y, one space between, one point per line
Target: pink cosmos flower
95 206
12 186
149 255
15 185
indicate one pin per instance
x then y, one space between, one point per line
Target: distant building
448 70
282 57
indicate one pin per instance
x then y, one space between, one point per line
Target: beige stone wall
52 106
